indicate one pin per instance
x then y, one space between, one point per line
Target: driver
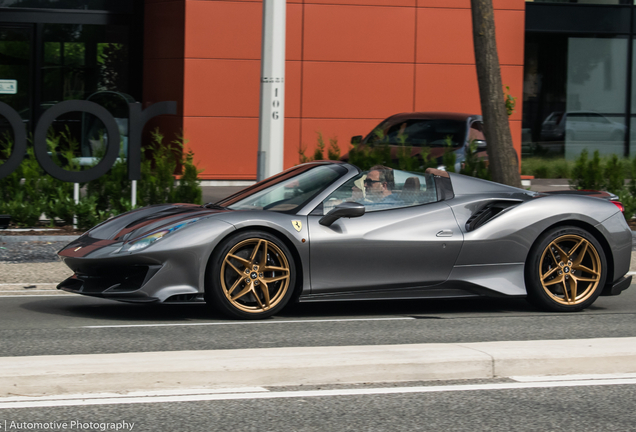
379 187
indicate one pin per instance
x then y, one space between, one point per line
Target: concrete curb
95 373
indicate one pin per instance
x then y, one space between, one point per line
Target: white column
272 112
133 193
76 196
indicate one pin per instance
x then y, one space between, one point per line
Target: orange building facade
350 64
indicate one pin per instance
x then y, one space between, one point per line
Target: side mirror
481 144
345 209
356 139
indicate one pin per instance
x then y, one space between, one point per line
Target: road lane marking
247 322
87 401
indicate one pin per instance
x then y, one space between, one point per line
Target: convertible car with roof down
327 231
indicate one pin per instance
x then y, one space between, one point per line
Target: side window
476 132
371 189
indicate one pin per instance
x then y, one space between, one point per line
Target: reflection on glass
632 144
608 2
419 132
80 60
286 192
105 5
14 74
86 62
595 102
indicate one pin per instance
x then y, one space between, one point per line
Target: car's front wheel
566 270
251 276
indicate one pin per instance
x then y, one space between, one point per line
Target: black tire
565 270
251 275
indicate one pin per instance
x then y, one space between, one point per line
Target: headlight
148 239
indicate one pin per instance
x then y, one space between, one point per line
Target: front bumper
116 283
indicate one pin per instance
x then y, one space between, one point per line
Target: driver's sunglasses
369 181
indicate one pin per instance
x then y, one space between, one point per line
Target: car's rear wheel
566 270
251 276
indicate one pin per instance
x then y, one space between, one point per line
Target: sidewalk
547 185
103 373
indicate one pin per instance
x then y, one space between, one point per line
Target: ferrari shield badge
298 225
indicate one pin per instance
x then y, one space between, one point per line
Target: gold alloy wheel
570 269
255 275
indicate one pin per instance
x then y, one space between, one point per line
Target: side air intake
488 213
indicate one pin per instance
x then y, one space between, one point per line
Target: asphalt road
70 324
581 408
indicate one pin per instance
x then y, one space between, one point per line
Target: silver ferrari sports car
326 231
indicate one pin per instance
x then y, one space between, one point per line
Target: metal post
272 112
133 194
76 191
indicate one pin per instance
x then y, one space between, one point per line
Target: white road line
249 322
29 283
309 393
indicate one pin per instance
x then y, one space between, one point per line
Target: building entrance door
16 78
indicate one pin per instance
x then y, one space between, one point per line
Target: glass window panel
384 190
290 193
545 76
632 144
120 6
608 2
86 62
595 96
15 71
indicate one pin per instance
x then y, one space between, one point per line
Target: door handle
445 233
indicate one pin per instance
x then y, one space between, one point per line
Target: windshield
286 192
384 188
419 133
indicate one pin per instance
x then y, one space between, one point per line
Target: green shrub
379 153
157 184
588 174
61 207
614 175
474 166
449 158
87 214
333 152
542 172
24 212
629 202
334 149
28 192
188 190
560 169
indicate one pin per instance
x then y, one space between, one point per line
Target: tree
504 165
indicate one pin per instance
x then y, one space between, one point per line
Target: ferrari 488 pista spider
328 231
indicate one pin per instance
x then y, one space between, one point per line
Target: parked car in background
581 126
428 129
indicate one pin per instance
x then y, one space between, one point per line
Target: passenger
357 190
